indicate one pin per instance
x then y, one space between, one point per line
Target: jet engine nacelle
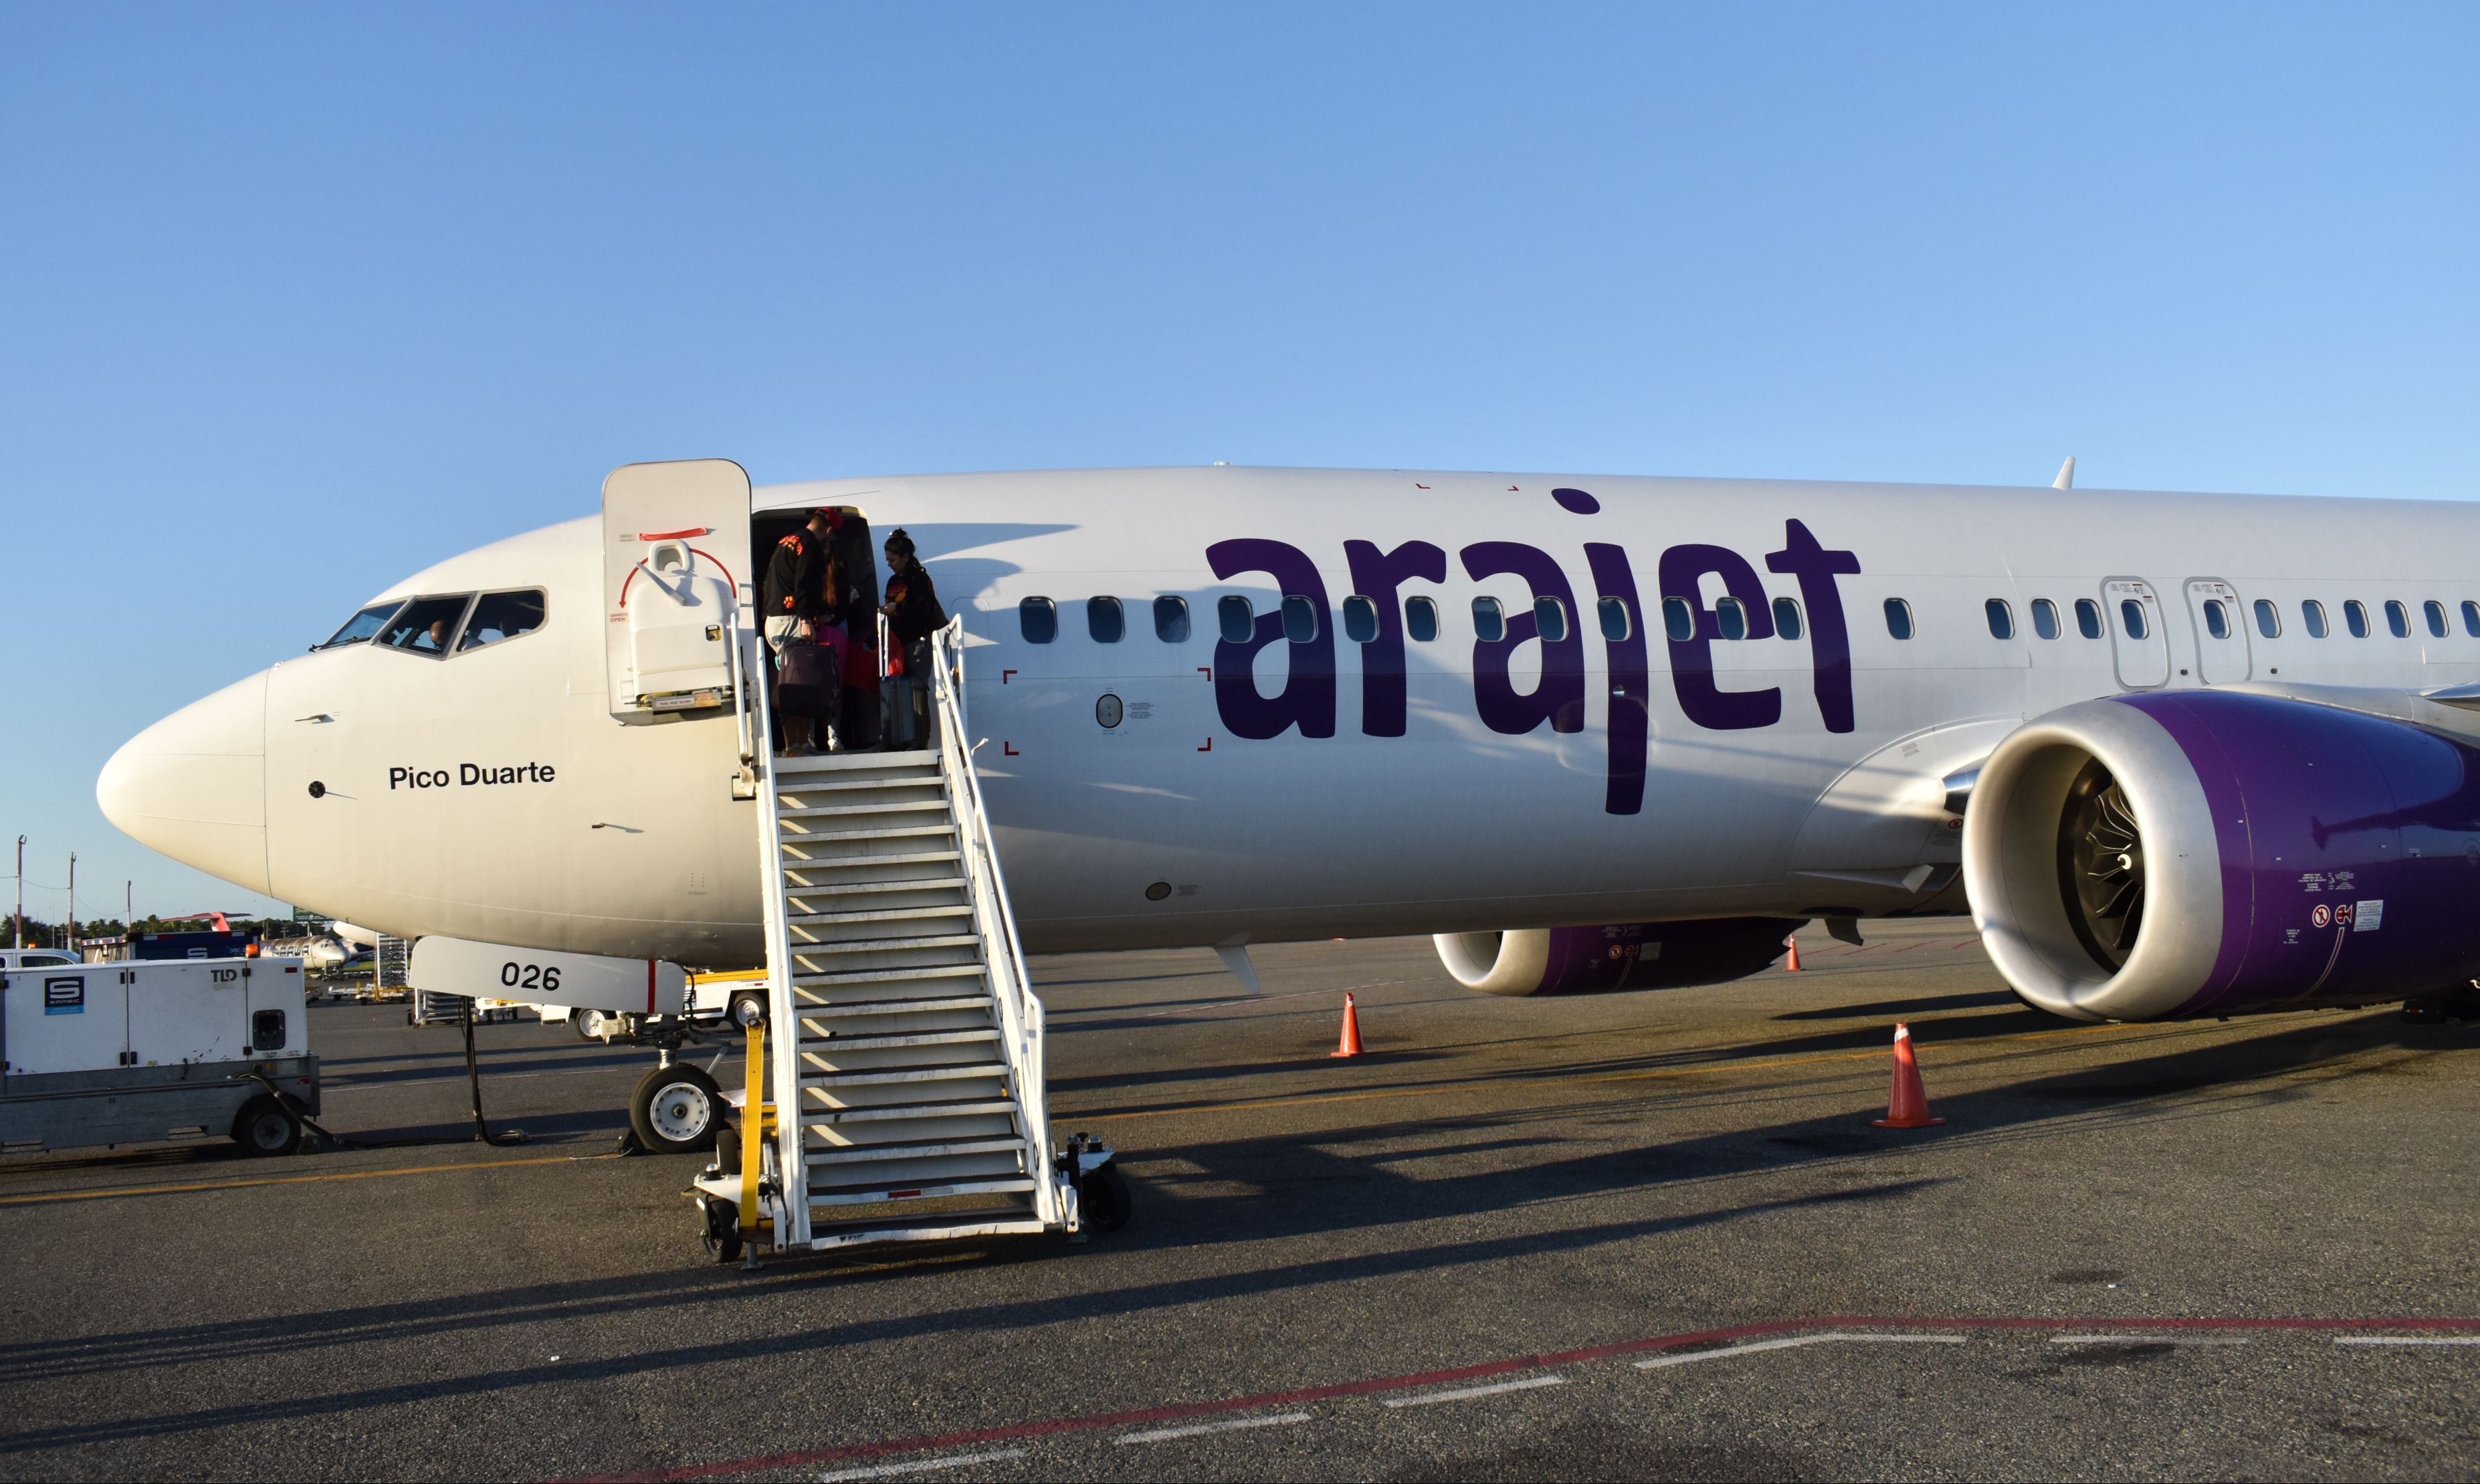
2210 853
1634 956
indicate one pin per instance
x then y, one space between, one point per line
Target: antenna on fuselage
2066 479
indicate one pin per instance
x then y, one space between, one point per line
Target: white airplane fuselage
1339 785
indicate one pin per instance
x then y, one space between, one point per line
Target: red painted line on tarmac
1055 1426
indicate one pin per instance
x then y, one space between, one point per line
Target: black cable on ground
473 1084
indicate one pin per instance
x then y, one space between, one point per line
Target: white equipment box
117 1053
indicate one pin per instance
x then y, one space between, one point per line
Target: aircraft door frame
2227 661
2141 663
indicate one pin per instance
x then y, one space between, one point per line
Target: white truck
131 1052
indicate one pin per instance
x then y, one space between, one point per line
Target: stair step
923 1193
849 811
920 1006
863 945
885 1113
831 784
944 826
906 1074
928 1229
901 1038
884 914
868 1154
851 762
875 976
891 883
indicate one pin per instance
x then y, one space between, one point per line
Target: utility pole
72 944
128 919
21 891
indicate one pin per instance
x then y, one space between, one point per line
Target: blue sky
296 300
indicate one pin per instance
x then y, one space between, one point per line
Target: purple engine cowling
1630 955
2208 853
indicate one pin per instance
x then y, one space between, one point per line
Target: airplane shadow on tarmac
1292 1188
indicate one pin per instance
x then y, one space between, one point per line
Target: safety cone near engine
1350 1046
1791 965
1908 1107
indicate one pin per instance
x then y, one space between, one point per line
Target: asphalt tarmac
1633 1236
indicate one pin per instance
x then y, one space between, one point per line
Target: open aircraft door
675 553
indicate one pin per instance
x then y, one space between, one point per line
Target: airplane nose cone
193 785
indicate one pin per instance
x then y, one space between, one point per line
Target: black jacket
796 578
917 604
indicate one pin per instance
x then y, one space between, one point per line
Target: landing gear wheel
1103 1199
747 1010
591 1024
676 1109
266 1127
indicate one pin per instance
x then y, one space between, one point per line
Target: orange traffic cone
1350 1046
1909 1106
1791 965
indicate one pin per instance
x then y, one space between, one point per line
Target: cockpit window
499 616
425 626
361 625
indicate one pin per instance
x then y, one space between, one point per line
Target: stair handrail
994 916
792 1170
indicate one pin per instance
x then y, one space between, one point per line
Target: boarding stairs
903 1046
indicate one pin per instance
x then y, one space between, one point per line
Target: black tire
1103 1199
677 1110
746 1010
722 1229
266 1128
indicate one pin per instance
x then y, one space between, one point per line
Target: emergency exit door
2139 645
2222 656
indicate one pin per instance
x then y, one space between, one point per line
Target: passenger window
1105 620
362 625
2269 619
2471 617
425 626
1489 624
2398 618
1787 617
1171 619
2045 617
1731 619
1237 620
1550 619
2217 618
1899 618
1616 626
1678 620
2313 614
2435 612
1039 619
1299 619
499 616
2355 616
2088 618
2002 618
1421 619
2130 614
1359 619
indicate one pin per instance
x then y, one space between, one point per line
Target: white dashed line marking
1166 1434
921 1465
2408 1339
1792 1342
2195 1340
1468 1392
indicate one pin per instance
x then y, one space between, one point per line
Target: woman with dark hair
913 615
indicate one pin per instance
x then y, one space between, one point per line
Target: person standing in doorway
913 615
794 600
